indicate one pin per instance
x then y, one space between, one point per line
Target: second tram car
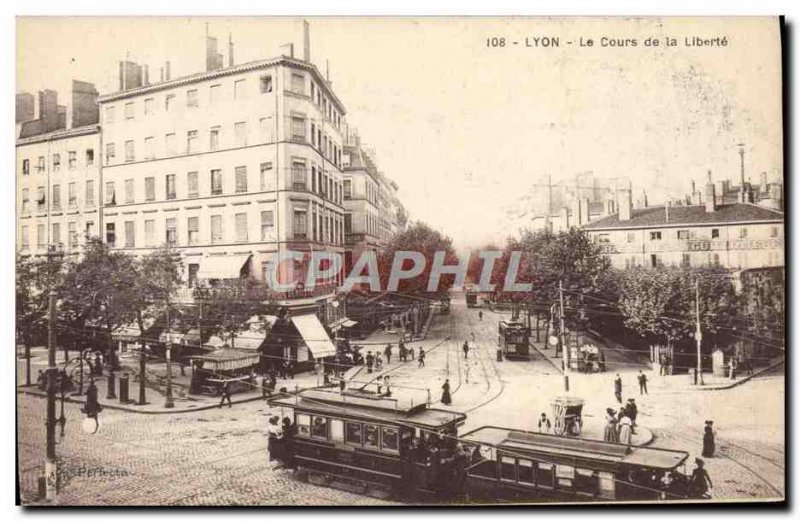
513 337
518 465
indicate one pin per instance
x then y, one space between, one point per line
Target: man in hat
466 350
226 394
618 388
631 411
642 382
388 353
421 358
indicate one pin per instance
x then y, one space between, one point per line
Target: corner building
228 166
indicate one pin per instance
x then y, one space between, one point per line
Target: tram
472 298
384 447
513 336
369 443
523 466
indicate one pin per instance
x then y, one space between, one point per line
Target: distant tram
512 337
472 298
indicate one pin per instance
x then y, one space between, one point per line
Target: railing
301 293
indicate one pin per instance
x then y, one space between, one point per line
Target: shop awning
249 340
314 335
349 323
222 267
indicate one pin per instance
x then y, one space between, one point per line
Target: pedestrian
544 423
625 430
378 362
272 382
446 399
275 440
388 392
734 365
379 384
480 315
411 352
618 388
262 384
662 360
610 431
388 353
709 444
466 350
41 380
642 382
631 411
370 361
421 358
290 368
701 481
226 395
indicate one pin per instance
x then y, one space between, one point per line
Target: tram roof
523 441
348 405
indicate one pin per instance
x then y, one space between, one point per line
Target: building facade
229 166
735 235
57 171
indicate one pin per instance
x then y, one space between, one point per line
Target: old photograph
393 261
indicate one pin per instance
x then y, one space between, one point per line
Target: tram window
389 438
544 474
303 424
508 469
371 435
319 428
353 433
565 475
525 470
586 481
337 430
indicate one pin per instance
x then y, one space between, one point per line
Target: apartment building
229 166
57 171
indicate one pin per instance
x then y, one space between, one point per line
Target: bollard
123 389
112 384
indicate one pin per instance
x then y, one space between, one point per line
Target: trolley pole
50 465
698 377
564 355
168 402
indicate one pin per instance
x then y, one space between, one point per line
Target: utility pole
564 350
168 402
698 377
50 465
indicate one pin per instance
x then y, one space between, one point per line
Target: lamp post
169 403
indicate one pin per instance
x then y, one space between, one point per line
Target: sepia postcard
332 261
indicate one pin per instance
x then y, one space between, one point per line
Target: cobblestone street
218 456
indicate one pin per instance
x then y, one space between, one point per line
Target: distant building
734 235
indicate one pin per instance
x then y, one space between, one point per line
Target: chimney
306 43
764 185
287 49
577 217
213 58
130 75
230 50
48 110
25 107
711 195
161 79
84 109
146 75
625 206
742 191
166 72
666 211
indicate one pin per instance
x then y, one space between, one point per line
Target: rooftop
61 133
655 216
227 71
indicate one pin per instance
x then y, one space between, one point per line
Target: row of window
555 476
72 161
369 435
42 239
241 91
321 183
682 235
72 197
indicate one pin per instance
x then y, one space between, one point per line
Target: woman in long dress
625 430
446 399
708 440
610 432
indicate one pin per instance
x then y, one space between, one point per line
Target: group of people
280 433
621 425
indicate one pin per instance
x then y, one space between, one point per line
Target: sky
467 130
